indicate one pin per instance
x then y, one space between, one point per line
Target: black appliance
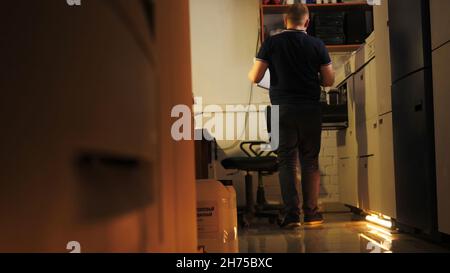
412 109
330 27
358 26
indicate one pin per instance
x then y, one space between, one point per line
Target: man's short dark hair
297 13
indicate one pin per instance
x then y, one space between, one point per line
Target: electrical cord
247 116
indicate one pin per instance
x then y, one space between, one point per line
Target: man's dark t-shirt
294 59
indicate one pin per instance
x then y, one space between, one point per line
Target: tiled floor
339 234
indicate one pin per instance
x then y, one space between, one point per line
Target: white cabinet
370 102
376 199
440 22
358 145
346 141
377 177
383 53
385 156
360 86
363 183
351 102
369 197
347 151
348 187
347 138
375 149
441 82
382 185
370 175
369 171
362 139
366 93
370 136
367 138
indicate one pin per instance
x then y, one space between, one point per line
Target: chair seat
251 164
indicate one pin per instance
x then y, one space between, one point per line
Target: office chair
265 164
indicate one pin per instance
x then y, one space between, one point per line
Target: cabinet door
440 21
351 103
348 186
350 139
442 133
346 142
359 96
415 186
369 186
370 97
347 138
408 37
376 198
363 183
362 139
372 137
367 138
366 93
351 131
386 166
383 53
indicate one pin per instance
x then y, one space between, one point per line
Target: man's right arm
326 68
327 75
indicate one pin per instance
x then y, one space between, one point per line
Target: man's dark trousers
300 140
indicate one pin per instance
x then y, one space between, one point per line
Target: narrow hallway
165 127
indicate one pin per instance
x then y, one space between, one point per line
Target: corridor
150 126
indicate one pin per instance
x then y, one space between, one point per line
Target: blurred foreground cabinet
86 152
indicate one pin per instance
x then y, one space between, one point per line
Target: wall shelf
343 48
317 8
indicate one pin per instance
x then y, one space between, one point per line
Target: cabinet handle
381 121
419 107
111 161
375 125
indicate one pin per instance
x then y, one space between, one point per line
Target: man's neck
299 28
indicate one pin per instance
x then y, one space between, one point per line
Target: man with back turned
299 64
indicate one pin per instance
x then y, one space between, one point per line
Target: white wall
224 36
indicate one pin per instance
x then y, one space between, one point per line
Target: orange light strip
381 221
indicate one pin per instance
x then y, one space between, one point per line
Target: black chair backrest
269 118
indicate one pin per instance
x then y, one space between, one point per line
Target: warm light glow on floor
384 245
382 221
379 229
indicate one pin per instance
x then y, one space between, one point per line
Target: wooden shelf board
343 48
